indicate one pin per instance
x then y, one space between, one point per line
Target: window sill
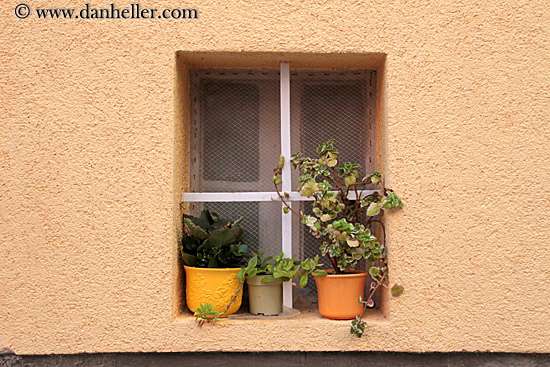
307 332
372 317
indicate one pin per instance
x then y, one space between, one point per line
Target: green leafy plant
212 242
358 324
205 313
344 212
281 267
275 267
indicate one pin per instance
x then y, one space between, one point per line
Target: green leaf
213 263
220 223
221 237
235 250
286 210
252 263
303 281
397 290
240 274
319 273
320 148
237 232
358 326
281 162
188 243
202 221
252 273
268 279
205 246
195 230
188 260
373 271
205 312
237 222
392 201
374 209
206 219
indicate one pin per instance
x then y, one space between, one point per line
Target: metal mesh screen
262 222
235 143
235 123
226 101
335 105
330 105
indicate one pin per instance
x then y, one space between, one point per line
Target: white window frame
286 219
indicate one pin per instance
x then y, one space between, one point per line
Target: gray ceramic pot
265 298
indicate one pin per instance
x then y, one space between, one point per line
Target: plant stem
285 203
357 204
233 299
378 284
337 183
383 228
334 265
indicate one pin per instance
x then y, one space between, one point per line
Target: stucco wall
90 173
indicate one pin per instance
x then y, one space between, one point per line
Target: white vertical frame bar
286 176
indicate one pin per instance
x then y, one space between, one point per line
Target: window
242 120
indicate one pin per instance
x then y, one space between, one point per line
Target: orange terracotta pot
339 294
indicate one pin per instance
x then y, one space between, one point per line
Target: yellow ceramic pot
214 286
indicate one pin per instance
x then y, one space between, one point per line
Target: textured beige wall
91 170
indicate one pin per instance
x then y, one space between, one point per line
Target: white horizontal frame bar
196 197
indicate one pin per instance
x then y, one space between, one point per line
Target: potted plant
265 278
341 217
212 254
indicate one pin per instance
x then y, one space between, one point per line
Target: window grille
242 120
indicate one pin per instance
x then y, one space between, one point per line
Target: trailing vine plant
341 202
